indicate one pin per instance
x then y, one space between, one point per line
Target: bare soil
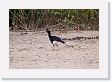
35 51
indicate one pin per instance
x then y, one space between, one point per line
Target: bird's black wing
55 38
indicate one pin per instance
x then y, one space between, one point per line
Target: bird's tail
62 41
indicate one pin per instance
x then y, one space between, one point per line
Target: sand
35 51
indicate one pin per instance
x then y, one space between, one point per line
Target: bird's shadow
79 38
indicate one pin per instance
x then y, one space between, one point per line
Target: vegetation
34 19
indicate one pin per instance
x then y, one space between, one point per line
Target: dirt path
34 51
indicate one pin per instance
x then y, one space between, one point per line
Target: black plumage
54 38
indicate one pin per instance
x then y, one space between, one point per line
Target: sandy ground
35 51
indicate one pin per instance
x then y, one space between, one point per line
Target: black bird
54 38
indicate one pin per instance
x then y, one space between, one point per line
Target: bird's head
48 31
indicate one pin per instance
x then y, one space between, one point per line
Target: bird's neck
49 34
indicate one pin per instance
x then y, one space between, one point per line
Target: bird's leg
53 45
56 45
